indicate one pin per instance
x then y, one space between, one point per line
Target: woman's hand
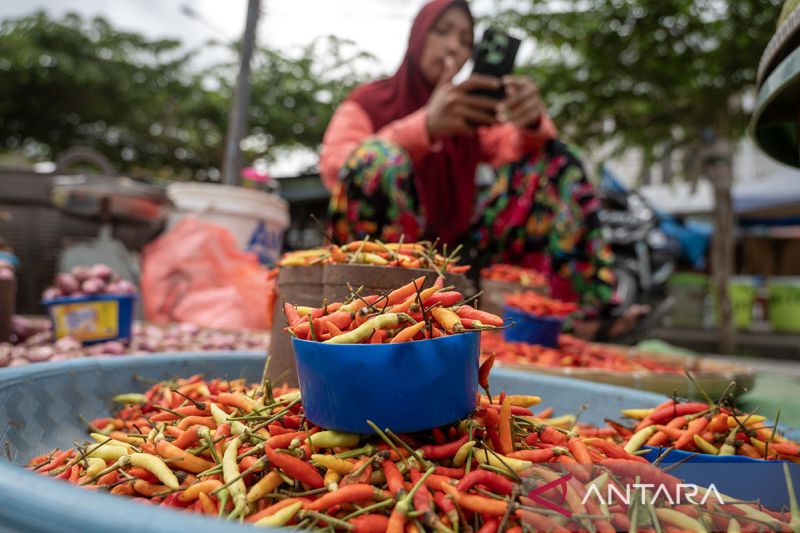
453 111
522 105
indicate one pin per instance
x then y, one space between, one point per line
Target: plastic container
256 219
34 419
689 291
736 476
784 304
409 386
542 330
742 293
92 319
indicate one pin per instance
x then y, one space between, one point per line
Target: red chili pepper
423 501
534 456
455 473
553 436
613 450
358 492
540 522
433 451
57 461
285 439
438 436
370 523
295 468
647 473
394 479
664 414
487 319
483 372
495 482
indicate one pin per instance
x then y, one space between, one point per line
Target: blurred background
650 90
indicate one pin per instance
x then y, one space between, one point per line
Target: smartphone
495 56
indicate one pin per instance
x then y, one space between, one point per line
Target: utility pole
237 121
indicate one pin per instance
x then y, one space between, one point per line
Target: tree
141 102
655 75
647 74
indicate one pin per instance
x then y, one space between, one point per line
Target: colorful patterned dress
541 212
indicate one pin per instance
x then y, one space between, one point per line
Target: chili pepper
461 455
444 298
639 438
189 421
280 517
647 472
295 468
470 313
182 459
669 412
433 451
408 333
478 504
447 319
363 332
369 523
705 446
333 439
332 462
785 448
178 412
483 373
483 456
57 461
540 522
350 494
613 450
285 439
534 456
495 482
455 473
695 426
661 436
551 435
394 479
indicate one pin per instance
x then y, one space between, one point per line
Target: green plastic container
784 304
742 293
689 290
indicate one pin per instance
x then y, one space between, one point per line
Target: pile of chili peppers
405 255
514 274
573 353
411 312
237 451
707 428
539 305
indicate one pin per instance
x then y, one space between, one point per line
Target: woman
400 157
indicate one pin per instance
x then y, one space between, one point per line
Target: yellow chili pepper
95 465
155 466
681 520
280 518
265 485
461 455
365 330
230 472
450 321
638 414
333 439
705 446
331 480
106 452
486 457
331 462
745 420
639 438
221 417
131 398
111 442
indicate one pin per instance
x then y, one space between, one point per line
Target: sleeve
579 251
506 143
350 126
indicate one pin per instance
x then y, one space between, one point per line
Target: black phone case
495 56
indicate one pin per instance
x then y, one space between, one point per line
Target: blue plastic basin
737 476
40 405
542 330
409 386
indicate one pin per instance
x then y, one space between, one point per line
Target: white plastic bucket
256 219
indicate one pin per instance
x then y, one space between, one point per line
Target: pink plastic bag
196 273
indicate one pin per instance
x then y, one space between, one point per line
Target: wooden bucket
298 285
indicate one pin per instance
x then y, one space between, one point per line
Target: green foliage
648 73
142 103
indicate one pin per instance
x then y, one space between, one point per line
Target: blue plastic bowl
737 476
409 386
542 330
92 319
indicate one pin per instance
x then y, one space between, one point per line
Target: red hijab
444 180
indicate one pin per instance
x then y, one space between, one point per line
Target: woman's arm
350 126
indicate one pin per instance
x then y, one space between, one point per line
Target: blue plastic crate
542 330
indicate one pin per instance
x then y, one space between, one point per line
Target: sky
378 26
